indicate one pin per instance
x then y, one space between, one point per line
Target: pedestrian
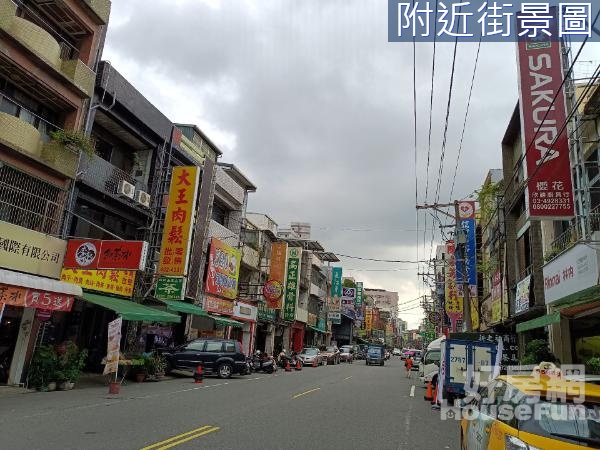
408 363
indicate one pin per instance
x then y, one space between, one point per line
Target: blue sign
470 257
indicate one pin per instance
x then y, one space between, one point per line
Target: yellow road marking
347 378
307 392
180 436
189 438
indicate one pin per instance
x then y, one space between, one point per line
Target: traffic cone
429 392
298 365
435 394
314 363
287 366
198 375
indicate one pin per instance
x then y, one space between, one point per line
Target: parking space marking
306 392
412 391
181 438
347 378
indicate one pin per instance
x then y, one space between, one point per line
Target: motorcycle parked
266 365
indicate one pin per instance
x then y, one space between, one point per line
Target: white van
430 363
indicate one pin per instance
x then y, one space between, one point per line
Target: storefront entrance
9 331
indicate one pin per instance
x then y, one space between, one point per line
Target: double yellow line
181 438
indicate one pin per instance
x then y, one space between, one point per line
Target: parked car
347 353
223 357
331 354
397 352
416 363
310 354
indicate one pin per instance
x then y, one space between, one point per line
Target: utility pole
461 242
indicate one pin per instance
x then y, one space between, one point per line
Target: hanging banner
119 282
223 270
292 283
454 303
114 346
277 276
359 295
549 184
497 297
336 282
177 231
466 214
522 295
368 319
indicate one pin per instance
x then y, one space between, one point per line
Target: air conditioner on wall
143 198
126 189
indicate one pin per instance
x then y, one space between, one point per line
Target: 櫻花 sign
179 218
292 284
277 274
169 288
34 298
97 254
223 270
28 251
543 113
119 282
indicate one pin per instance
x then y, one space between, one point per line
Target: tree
348 283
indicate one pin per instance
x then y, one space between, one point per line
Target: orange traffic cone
298 365
198 375
435 395
287 366
429 392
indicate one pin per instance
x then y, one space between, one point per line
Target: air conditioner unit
126 189
143 198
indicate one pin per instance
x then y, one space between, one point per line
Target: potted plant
140 370
156 366
43 368
70 364
592 365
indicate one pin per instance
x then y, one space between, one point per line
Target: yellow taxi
529 412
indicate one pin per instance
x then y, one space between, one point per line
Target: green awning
184 307
316 329
130 310
539 322
591 294
225 322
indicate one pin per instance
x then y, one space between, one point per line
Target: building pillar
560 341
20 353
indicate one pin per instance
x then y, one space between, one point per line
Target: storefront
265 329
572 295
342 333
247 314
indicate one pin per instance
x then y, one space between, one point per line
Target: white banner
114 346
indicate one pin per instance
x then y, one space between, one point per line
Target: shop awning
184 307
225 322
130 310
539 322
318 330
39 283
589 295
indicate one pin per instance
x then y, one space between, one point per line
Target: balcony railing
101 175
573 234
42 44
218 231
250 256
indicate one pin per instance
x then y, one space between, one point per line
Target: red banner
97 254
548 167
34 298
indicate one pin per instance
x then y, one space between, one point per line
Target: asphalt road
330 407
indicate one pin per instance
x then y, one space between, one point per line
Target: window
229 347
432 357
196 345
214 346
219 213
524 255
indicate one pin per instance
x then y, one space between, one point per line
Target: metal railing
573 234
104 177
31 203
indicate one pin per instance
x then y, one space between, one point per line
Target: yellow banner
119 282
28 251
179 219
368 318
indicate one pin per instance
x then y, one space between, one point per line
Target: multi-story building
48 57
384 300
524 253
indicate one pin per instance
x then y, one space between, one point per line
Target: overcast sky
314 105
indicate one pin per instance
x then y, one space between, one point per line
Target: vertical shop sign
277 275
177 232
292 283
359 295
497 297
543 113
454 306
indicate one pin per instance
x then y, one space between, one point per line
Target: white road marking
412 391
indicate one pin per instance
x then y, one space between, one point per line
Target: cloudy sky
314 105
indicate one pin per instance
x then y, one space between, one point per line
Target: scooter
265 365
